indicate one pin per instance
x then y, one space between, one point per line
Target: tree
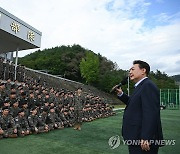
89 67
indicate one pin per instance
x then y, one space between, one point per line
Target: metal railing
53 76
170 98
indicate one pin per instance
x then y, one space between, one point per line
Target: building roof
16 34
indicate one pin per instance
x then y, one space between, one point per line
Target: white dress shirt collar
139 81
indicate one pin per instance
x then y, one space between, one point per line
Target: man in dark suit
141 120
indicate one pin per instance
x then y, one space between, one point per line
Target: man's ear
143 71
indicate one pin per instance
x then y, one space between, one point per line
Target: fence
170 98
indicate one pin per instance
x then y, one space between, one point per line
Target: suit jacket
141 118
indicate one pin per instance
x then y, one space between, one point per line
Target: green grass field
92 139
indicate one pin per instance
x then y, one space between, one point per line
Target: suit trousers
138 150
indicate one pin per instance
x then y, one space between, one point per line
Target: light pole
128 85
15 73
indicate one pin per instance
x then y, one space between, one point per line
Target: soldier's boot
79 127
51 127
75 126
46 130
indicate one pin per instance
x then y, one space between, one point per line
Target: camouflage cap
5 108
21 110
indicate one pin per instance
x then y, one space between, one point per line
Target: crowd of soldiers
30 108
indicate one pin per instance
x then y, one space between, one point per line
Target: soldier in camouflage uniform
60 113
71 116
33 121
25 107
2 93
9 87
19 75
95 113
22 124
6 103
53 121
46 104
11 71
7 71
79 102
4 70
14 109
7 124
56 99
22 98
69 122
39 100
42 118
31 100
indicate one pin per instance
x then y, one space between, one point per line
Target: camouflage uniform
54 121
69 120
59 112
31 103
7 71
42 118
33 123
14 111
11 72
1 101
4 70
79 101
7 124
39 101
2 93
22 125
24 106
20 73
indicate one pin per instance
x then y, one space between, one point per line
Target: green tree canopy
89 67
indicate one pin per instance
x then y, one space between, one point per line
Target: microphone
123 82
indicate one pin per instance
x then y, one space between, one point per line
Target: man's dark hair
142 65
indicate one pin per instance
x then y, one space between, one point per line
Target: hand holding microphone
119 91
118 87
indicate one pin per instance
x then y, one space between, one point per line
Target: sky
121 30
